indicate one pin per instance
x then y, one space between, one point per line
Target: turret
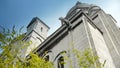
36 33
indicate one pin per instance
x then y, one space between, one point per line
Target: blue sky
20 12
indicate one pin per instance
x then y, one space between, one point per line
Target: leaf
20 30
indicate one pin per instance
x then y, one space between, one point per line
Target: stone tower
37 30
36 33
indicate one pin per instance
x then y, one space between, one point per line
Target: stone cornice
62 31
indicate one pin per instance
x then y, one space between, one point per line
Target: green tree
87 59
10 46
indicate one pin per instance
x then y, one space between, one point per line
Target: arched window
61 62
41 29
46 58
59 59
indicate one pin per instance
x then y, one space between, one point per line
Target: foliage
87 59
11 45
84 59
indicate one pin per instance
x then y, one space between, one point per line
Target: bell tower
37 29
36 33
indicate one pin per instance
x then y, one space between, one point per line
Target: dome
80 6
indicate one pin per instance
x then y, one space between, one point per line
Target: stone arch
60 62
60 59
93 8
39 39
48 56
59 54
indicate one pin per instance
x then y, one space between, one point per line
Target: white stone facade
88 27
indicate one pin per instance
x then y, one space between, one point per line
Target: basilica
84 26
